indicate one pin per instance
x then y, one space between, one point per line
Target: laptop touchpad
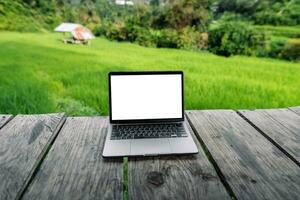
150 147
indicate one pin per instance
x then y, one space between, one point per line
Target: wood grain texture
74 167
4 119
281 126
174 177
23 143
295 109
253 166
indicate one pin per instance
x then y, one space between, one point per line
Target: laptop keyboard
120 132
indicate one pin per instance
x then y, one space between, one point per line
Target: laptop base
149 146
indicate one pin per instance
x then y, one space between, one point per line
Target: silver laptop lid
146 97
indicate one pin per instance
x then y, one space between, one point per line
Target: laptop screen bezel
145 120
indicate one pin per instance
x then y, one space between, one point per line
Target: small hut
78 34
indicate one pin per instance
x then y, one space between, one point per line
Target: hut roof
78 31
67 27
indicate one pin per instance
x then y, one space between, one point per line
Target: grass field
40 74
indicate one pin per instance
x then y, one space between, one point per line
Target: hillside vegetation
40 74
18 16
223 27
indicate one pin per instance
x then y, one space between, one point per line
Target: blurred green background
234 53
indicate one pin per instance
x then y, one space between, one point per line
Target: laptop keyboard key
122 132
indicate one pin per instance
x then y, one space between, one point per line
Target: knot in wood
253 181
155 178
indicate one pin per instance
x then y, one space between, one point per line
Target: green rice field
40 74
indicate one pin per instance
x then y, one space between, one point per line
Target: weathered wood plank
74 167
4 119
174 177
295 109
281 126
23 143
253 166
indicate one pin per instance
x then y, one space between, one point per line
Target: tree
154 3
182 13
244 7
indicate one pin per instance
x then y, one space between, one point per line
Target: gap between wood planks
125 178
44 155
269 138
6 122
212 161
295 111
125 160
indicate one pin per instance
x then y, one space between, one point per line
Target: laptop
147 115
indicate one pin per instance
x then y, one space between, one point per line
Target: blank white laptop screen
154 96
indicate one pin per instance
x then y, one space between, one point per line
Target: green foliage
274 12
244 7
175 24
117 31
106 9
139 15
40 74
183 13
191 39
269 17
235 38
291 50
148 37
16 16
276 46
286 31
101 28
40 15
163 26
284 48
168 39
187 38
74 107
231 16
284 12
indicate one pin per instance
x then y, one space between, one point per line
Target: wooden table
245 154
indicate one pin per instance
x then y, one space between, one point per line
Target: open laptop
147 115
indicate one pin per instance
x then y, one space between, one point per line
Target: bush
235 38
132 31
190 39
117 31
101 29
283 48
275 47
279 13
291 50
187 38
74 107
121 31
168 39
148 38
182 13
